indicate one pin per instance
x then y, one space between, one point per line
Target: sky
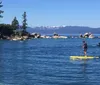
53 12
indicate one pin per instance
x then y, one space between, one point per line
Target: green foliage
6 30
9 30
15 23
24 24
1 10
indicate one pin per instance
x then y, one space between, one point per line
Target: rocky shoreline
54 36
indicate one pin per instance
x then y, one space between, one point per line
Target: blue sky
53 12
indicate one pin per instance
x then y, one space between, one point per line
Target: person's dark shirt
85 45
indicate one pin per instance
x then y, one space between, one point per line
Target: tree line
14 28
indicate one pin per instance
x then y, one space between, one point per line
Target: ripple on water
47 62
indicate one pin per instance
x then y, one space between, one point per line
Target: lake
47 62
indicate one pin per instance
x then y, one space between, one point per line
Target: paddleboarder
85 48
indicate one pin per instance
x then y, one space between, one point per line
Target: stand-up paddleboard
82 57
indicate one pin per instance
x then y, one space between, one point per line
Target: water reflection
84 69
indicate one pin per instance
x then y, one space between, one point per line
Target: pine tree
1 10
24 24
15 23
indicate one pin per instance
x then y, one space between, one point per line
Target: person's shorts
85 49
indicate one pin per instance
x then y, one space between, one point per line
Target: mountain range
63 30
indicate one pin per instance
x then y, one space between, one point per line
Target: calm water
47 62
